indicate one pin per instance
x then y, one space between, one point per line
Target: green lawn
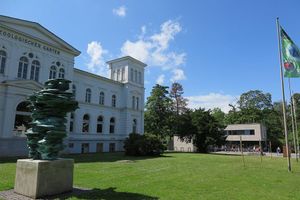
177 176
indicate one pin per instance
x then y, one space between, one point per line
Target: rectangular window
85 148
112 147
241 132
133 102
71 126
99 147
71 145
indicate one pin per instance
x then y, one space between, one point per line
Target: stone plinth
38 178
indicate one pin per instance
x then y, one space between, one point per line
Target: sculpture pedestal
38 178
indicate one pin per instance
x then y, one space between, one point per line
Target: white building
110 108
180 145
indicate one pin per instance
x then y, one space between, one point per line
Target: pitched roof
42 29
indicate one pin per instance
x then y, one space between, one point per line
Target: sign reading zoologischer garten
27 41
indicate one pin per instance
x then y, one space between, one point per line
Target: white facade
182 146
110 108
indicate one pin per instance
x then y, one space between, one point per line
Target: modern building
250 134
109 108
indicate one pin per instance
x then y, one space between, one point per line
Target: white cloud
161 79
154 49
138 50
168 31
212 100
121 11
178 74
96 63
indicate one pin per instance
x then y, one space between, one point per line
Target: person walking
278 151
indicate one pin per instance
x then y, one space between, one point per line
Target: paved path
251 153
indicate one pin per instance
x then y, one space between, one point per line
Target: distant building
250 134
177 144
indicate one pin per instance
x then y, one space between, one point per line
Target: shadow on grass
10 159
103 194
94 157
110 157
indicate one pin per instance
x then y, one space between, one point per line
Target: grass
177 176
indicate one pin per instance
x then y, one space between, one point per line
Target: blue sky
217 49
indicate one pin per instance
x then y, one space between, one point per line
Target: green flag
291 56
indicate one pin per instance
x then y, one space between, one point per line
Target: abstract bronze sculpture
49 108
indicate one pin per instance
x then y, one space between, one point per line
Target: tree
255 99
219 115
143 145
204 130
233 116
158 112
179 102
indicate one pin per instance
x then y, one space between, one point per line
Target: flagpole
283 99
296 126
293 122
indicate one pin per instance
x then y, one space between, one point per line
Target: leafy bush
143 145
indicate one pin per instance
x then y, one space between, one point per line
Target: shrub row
143 145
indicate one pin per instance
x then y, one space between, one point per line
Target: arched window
131 75
133 102
100 124
23 67
134 126
61 73
74 91
118 75
52 73
85 123
112 123
22 118
140 77
113 100
2 61
137 103
35 70
101 98
88 94
123 74
72 122
114 75
135 76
